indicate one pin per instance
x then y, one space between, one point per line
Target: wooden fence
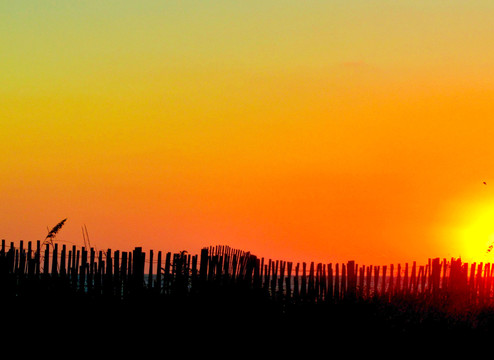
29 270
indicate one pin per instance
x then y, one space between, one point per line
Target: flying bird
485 183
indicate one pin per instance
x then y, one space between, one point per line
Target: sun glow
476 238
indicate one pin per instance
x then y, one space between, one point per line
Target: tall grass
53 232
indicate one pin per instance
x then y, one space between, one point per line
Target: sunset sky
326 130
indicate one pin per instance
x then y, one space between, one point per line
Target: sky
314 130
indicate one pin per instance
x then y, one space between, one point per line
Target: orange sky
314 131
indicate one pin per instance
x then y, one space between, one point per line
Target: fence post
330 290
361 293
281 279
63 265
30 261
311 286
351 280
203 266
54 261
158 273
150 272
138 270
46 270
368 281
435 277
296 290
406 287
376 280
123 274
117 283
108 278
413 279
288 281
391 281
336 292
82 273
22 262
383 282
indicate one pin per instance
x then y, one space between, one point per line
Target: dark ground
240 321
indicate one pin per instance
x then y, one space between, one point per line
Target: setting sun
471 237
478 235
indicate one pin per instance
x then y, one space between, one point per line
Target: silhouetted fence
36 269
